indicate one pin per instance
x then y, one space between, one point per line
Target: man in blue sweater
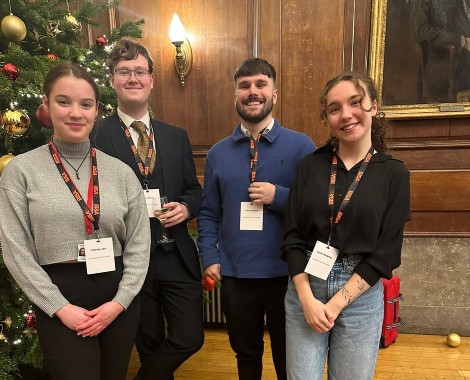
246 183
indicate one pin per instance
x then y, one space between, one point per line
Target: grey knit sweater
41 222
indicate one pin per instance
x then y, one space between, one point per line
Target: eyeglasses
127 72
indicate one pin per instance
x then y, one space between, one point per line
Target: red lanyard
143 167
254 155
331 190
93 198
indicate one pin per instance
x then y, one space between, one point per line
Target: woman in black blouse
343 231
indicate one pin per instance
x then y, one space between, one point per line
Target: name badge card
99 255
321 260
251 217
152 196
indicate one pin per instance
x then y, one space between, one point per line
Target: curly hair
379 123
127 49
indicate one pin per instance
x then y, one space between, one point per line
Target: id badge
99 255
321 260
152 196
81 252
251 216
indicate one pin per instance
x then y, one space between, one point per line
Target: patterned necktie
143 143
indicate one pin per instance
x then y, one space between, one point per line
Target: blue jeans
352 344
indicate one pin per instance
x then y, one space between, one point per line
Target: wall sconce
184 55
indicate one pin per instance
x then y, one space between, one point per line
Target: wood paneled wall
308 41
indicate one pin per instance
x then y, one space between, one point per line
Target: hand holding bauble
4 160
208 283
13 28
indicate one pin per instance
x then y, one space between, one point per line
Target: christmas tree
36 35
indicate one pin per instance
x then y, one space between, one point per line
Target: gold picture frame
396 67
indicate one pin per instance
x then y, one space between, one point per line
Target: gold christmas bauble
453 340
2 337
15 122
4 160
13 28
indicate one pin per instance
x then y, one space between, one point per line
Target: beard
255 118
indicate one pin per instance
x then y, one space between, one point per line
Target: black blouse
373 221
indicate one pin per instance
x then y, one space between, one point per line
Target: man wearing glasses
171 323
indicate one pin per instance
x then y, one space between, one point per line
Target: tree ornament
76 25
453 340
2 337
15 122
52 56
13 28
208 283
30 320
11 71
52 28
4 160
101 42
8 322
43 116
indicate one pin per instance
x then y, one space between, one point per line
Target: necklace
73 167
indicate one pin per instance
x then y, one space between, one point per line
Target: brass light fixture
184 56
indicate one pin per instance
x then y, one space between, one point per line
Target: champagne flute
159 211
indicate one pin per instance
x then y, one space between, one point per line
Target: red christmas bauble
208 283
101 42
51 56
30 320
11 71
43 116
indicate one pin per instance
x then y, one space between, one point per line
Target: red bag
392 298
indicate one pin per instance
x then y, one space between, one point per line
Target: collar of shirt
247 132
127 120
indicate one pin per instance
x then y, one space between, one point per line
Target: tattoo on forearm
361 285
348 297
